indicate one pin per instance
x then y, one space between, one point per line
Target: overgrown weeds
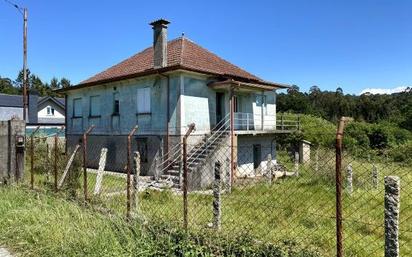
38 224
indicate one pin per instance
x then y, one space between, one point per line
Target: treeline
14 87
330 105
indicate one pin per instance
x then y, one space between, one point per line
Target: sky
352 44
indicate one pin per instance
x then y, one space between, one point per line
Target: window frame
148 104
74 107
91 115
116 99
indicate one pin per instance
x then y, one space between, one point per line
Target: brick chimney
159 43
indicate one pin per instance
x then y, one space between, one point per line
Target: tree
64 83
293 89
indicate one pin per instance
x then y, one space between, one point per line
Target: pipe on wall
167 109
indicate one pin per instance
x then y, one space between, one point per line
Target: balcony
249 123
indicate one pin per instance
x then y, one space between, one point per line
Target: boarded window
261 102
95 106
143 100
116 103
77 107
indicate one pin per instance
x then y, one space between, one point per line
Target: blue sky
351 44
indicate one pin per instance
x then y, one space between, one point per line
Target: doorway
257 155
220 104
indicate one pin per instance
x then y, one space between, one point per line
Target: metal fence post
56 138
185 176
392 208
338 177
129 168
216 197
85 162
32 157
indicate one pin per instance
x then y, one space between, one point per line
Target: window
77 108
143 100
116 103
95 106
50 110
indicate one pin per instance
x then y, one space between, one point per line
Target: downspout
167 110
262 115
65 122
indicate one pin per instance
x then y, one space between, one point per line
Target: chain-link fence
270 187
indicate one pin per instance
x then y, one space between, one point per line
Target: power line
15 5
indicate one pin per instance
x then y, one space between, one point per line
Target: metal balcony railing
257 122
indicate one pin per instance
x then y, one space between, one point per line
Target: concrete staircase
172 168
196 157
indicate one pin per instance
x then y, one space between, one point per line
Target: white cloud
381 91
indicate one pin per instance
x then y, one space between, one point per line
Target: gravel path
5 253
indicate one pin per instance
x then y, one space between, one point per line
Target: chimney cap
159 22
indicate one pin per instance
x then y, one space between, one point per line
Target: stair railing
218 130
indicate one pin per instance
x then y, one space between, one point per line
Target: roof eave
166 69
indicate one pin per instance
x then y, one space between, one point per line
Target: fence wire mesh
273 188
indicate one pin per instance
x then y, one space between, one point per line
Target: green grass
301 208
39 224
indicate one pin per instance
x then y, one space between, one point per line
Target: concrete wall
245 154
6 113
190 101
11 159
149 123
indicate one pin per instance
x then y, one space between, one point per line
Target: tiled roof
181 53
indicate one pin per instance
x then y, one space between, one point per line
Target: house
164 88
41 110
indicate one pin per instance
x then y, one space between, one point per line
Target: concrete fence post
375 176
217 197
296 164
135 187
269 168
317 160
100 171
392 207
229 177
349 179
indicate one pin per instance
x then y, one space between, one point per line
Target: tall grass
38 224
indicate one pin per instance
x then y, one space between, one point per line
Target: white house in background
44 111
50 110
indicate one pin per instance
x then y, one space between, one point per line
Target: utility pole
25 64
23 11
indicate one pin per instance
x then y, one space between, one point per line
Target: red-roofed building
163 89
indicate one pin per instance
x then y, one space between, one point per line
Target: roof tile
180 52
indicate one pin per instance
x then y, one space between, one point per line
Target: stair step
172 172
169 177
